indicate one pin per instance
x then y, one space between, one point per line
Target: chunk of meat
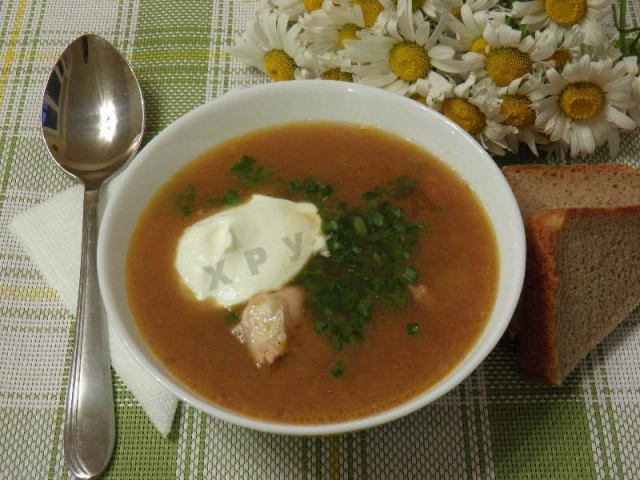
266 320
423 295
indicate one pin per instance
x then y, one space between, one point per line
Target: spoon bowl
92 123
93 111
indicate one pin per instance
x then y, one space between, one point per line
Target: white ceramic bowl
242 111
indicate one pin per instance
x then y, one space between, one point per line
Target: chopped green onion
329 226
410 275
338 370
359 226
231 318
413 328
376 219
232 197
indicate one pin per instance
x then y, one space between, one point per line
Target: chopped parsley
250 173
184 201
311 189
403 186
370 246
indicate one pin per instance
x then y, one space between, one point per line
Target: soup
409 338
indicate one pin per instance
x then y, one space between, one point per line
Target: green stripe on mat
603 414
516 430
170 58
140 449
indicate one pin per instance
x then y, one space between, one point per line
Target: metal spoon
92 123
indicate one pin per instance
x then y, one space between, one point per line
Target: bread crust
534 329
539 188
536 355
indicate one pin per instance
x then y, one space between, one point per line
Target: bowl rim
458 373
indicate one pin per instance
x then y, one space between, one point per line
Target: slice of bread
583 279
545 187
582 229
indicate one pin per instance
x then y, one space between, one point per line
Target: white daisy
432 90
561 16
509 55
584 105
516 107
468 30
631 64
607 49
326 29
327 66
397 60
294 9
375 12
566 47
270 46
455 6
478 112
430 8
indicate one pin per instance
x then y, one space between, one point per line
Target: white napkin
51 233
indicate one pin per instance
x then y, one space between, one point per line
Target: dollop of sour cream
256 247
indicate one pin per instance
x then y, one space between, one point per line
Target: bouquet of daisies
546 73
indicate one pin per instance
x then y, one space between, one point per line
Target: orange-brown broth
457 261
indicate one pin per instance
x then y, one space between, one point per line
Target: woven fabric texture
493 425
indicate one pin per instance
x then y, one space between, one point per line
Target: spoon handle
89 429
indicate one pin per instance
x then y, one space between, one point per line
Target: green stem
622 24
632 47
614 14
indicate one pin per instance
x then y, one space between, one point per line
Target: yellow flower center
565 12
311 5
457 12
337 74
418 98
517 109
581 100
370 11
279 65
505 64
347 32
465 114
409 61
560 57
479 45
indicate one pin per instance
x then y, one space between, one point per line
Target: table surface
493 425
